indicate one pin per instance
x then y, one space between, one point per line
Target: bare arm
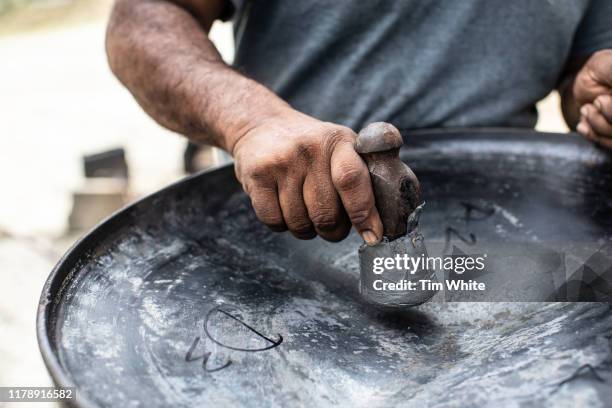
160 51
301 174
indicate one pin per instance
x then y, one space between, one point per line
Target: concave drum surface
184 299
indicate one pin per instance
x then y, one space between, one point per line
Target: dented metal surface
186 300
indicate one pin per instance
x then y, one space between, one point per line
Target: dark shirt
417 63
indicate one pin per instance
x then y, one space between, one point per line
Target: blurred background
64 116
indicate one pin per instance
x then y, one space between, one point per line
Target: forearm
162 54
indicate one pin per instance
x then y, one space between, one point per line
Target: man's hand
301 174
592 93
304 175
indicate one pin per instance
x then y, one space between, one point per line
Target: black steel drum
184 299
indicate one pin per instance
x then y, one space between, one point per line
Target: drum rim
62 271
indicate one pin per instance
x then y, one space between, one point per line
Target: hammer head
394 273
398 199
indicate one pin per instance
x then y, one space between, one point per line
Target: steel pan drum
184 299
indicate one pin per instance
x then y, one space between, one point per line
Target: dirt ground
59 101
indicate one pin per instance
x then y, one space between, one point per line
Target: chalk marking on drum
471 208
274 343
452 231
580 372
205 357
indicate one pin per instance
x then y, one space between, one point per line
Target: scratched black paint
119 312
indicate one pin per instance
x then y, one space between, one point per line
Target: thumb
595 78
352 181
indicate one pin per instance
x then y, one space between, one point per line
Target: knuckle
606 106
360 216
267 164
335 134
258 170
264 168
348 176
284 154
261 194
267 213
325 219
299 224
274 223
342 132
304 150
268 216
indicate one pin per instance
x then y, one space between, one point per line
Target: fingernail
582 128
369 237
584 111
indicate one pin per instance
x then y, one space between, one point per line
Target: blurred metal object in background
197 157
104 191
110 163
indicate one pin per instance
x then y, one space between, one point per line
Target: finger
294 210
603 103
597 121
352 181
324 207
585 130
264 199
600 66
